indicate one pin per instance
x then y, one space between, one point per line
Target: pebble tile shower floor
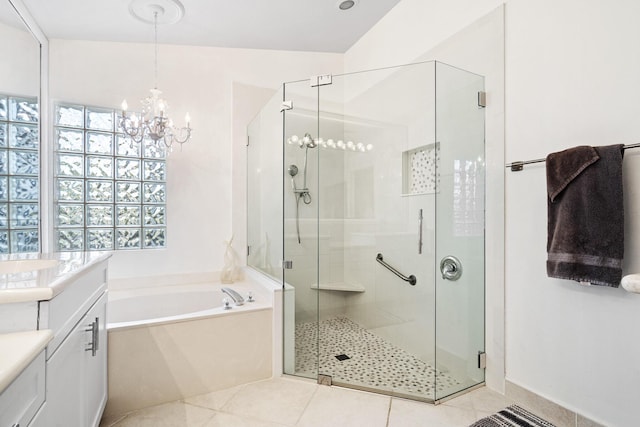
373 362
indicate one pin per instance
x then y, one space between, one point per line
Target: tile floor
286 401
372 361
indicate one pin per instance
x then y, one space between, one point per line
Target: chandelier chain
155 44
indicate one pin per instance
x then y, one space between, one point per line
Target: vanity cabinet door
65 382
96 364
77 375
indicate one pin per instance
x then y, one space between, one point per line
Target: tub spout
236 297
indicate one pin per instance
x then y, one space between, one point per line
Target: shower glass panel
301 207
378 187
264 189
376 330
459 233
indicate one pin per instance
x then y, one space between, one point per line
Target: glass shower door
376 328
459 261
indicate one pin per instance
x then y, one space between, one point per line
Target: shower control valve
451 268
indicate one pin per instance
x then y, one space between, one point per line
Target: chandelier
153 122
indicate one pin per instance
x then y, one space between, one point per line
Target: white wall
572 79
20 69
412 28
194 79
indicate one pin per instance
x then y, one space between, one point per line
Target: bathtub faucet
236 297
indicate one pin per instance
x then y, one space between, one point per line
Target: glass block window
19 174
110 191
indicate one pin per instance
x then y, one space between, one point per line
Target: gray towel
585 240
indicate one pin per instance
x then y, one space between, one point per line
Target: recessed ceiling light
346 4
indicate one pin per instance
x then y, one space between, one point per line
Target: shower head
309 141
293 170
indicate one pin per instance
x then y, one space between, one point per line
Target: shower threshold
409 396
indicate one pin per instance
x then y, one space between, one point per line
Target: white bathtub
171 342
164 304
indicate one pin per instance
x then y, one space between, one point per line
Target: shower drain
342 357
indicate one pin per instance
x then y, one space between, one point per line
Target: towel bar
517 166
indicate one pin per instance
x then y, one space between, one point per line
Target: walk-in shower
366 200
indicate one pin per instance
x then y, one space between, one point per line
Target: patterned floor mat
513 416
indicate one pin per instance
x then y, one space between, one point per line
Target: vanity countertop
19 283
17 350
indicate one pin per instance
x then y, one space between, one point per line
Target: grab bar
411 279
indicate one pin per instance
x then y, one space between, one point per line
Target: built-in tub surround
157 354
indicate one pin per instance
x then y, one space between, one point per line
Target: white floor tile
405 413
278 400
482 399
174 414
107 421
288 402
487 400
338 407
214 400
222 419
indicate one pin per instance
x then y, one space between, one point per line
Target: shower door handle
419 231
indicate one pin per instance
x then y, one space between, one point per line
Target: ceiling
302 25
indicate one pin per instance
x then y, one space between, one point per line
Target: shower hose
306 198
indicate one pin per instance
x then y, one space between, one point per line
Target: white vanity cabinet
24 396
22 376
96 365
76 374
76 361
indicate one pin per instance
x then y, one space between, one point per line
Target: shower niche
419 174
330 169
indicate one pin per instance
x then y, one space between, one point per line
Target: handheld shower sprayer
301 194
293 171
309 142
